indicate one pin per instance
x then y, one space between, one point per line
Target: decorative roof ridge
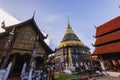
8 28
20 23
107 22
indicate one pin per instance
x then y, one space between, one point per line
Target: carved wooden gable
25 40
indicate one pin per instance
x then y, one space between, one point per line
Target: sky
51 16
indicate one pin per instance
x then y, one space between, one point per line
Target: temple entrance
39 62
18 62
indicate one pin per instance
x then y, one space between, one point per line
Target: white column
30 74
23 69
102 65
8 71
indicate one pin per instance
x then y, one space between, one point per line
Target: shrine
107 44
21 45
72 52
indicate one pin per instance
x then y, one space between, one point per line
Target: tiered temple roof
30 21
70 38
108 37
108 27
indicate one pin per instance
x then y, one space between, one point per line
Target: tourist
89 71
56 75
50 73
45 75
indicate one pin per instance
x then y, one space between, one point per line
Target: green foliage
63 76
68 76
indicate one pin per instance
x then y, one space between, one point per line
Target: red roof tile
108 27
108 38
111 48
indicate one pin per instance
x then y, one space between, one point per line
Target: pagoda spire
69 29
68 22
70 38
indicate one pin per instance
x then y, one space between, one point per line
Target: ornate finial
12 31
33 14
68 21
69 29
3 25
94 36
46 36
119 6
92 44
95 26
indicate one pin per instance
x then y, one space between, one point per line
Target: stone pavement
98 78
106 78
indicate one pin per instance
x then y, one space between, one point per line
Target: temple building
72 51
18 46
107 44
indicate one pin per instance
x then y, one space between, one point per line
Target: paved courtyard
107 78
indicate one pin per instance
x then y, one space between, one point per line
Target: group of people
44 73
49 73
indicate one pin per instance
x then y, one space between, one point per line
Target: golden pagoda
71 50
70 38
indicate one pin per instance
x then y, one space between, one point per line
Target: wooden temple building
71 51
107 44
17 45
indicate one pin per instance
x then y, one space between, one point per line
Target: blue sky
51 16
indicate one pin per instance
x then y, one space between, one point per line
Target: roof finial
3 25
33 14
95 26
68 21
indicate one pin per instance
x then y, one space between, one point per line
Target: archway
39 62
18 62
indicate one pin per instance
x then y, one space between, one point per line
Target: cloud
9 20
51 18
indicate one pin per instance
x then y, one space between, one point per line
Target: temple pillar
9 45
101 63
70 57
